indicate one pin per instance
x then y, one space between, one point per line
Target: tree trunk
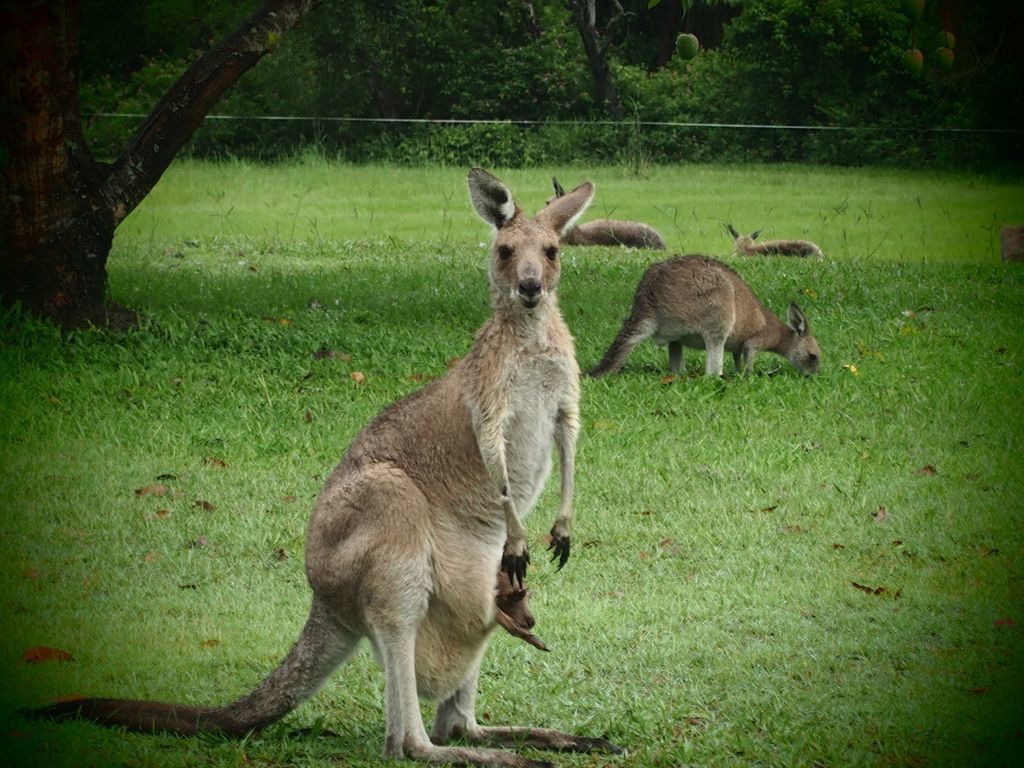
60 207
584 14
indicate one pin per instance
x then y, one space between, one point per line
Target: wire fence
616 123
528 143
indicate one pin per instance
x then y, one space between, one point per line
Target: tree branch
183 108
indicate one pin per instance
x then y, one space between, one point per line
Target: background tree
61 205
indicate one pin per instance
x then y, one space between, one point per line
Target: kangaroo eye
504 252
551 252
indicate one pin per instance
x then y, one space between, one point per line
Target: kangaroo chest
537 387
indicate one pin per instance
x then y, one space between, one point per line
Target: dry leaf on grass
156 489
42 653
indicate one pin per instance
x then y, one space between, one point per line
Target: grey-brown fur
747 245
697 302
408 533
633 234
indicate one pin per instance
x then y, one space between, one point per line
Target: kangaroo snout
530 289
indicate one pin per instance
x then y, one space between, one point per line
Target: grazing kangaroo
424 509
610 232
746 246
701 303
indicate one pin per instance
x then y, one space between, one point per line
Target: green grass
708 614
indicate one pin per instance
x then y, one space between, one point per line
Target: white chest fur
538 385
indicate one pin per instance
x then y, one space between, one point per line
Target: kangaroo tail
321 647
633 331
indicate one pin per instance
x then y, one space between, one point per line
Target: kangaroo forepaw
515 566
559 549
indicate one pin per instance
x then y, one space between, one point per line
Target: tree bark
585 16
60 207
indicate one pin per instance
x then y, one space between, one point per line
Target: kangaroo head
744 243
804 352
524 266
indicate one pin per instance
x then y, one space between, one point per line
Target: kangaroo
425 507
746 246
701 303
610 232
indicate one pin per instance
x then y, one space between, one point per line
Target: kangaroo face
524 262
804 354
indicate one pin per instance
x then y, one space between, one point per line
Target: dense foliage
833 64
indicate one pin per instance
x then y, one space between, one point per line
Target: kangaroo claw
559 548
515 567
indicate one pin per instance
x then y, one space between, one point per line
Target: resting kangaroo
610 232
410 530
701 303
746 246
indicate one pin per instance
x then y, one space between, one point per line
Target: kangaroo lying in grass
746 246
610 232
697 302
425 508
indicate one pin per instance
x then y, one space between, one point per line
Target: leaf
203 505
851 368
791 529
156 489
670 547
167 476
160 513
213 461
151 557
210 643
42 653
308 417
667 379
280 555
926 470
357 376
1008 623
329 354
881 515
876 590
278 320
290 498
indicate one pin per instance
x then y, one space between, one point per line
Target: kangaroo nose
529 288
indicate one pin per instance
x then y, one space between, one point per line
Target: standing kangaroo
410 530
701 303
746 246
610 232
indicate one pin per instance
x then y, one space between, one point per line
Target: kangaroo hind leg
456 718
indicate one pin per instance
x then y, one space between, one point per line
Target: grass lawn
767 571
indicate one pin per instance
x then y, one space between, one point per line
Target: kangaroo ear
733 232
797 321
561 213
492 199
756 233
559 191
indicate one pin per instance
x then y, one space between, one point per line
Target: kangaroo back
632 234
747 245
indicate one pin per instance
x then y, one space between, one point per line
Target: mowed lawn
770 570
